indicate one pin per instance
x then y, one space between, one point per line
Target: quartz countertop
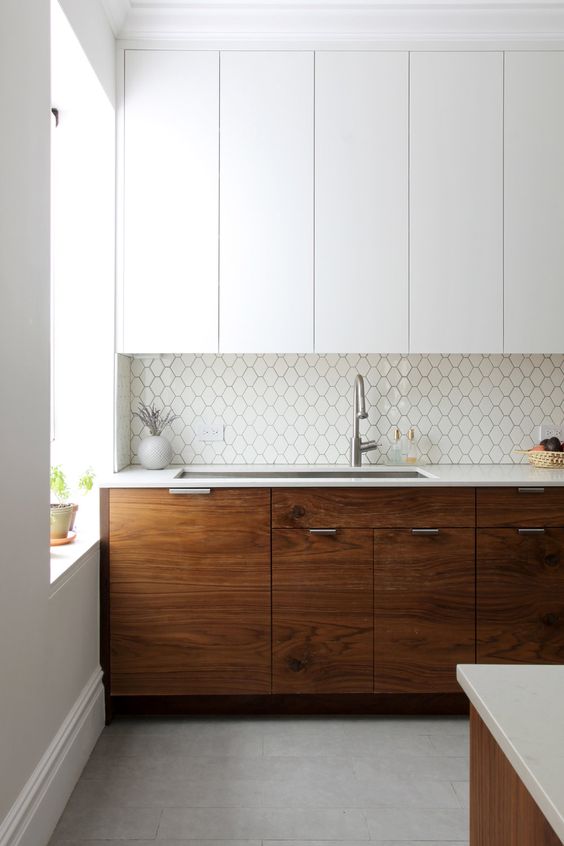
437 475
523 708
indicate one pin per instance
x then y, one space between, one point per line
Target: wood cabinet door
361 138
520 596
190 592
170 185
266 208
424 608
322 611
456 202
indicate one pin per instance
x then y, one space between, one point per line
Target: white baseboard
34 815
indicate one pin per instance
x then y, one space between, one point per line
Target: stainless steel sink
304 474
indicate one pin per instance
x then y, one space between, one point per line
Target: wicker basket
543 459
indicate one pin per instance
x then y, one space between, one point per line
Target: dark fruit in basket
553 445
544 442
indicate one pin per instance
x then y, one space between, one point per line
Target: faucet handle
366 446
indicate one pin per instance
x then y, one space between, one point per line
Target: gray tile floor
263 782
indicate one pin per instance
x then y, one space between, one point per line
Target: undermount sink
337 473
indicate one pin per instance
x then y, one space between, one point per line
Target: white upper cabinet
170 202
534 202
456 202
361 192
266 202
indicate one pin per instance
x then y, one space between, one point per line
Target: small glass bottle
411 457
396 447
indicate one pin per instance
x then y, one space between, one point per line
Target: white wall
92 29
48 645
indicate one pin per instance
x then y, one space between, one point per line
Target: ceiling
337 21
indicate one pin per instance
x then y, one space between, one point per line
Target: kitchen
306 194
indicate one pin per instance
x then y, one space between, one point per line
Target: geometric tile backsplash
297 409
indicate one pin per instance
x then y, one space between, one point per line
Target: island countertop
523 709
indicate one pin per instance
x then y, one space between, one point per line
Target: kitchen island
516 754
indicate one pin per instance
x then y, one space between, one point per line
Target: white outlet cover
210 432
551 430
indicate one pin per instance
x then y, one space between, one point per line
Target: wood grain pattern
190 592
512 507
502 811
424 609
520 596
322 612
372 507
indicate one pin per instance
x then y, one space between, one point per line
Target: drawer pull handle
323 531
531 531
190 491
424 531
530 490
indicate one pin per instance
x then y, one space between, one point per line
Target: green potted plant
155 451
64 509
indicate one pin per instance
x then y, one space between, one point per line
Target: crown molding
117 12
338 21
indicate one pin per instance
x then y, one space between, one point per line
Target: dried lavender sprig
154 418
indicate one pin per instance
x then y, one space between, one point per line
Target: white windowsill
68 558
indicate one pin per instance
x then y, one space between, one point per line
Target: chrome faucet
358 446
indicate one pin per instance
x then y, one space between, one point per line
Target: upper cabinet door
456 203
170 225
361 132
534 202
266 225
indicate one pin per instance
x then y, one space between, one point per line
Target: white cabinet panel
170 225
534 202
361 133
456 202
266 204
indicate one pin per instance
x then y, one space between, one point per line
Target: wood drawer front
160 541
520 597
372 507
190 592
424 609
527 506
322 612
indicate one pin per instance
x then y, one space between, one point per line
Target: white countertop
523 708
438 475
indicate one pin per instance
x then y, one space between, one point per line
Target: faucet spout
358 446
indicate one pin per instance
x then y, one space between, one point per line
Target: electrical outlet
210 433
551 430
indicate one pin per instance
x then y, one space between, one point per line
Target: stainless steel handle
323 531
530 490
424 531
190 491
531 531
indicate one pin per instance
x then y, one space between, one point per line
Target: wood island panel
502 811
424 609
189 592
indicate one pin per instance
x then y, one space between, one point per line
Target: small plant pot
155 452
61 516
73 517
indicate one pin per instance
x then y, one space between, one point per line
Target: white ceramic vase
155 452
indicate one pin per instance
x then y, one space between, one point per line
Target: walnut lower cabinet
424 608
326 591
189 592
322 610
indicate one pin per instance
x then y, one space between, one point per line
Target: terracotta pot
61 516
